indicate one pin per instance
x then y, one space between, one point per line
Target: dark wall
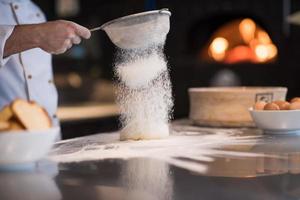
192 22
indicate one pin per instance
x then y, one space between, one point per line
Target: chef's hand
56 37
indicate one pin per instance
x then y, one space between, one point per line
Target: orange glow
262 52
247 29
263 37
242 40
218 48
272 49
253 43
239 54
265 52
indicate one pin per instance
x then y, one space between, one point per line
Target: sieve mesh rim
142 14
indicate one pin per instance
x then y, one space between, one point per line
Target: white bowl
277 122
24 147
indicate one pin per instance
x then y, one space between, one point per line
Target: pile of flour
143 93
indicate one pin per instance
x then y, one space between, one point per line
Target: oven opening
239 41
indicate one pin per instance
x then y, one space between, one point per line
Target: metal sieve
138 30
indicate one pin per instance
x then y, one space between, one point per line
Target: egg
295 99
259 105
271 106
295 105
283 105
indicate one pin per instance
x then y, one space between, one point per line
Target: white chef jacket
27 75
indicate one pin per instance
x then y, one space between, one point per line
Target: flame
241 53
265 52
261 52
247 29
218 48
272 51
263 37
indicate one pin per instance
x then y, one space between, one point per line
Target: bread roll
4 126
295 105
283 105
6 113
31 115
271 106
259 105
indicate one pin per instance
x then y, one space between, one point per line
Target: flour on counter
189 149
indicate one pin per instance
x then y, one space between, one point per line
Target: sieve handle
96 28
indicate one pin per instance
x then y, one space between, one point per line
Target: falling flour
140 72
143 93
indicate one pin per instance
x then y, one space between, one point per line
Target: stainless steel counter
209 163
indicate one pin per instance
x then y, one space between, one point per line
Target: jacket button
16 7
29 76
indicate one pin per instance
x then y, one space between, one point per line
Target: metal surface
271 172
138 30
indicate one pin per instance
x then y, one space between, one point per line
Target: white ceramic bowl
24 147
277 122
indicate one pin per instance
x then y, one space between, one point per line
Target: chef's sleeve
5 32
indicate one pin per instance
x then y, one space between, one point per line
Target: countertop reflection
211 163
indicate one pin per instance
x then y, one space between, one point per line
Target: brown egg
271 106
295 99
259 105
295 105
283 105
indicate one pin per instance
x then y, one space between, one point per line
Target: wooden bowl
228 106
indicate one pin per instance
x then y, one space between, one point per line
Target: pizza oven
232 43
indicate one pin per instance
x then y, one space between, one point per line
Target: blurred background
211 43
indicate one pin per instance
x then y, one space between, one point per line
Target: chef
26 45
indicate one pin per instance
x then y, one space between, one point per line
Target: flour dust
143 93
188 147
